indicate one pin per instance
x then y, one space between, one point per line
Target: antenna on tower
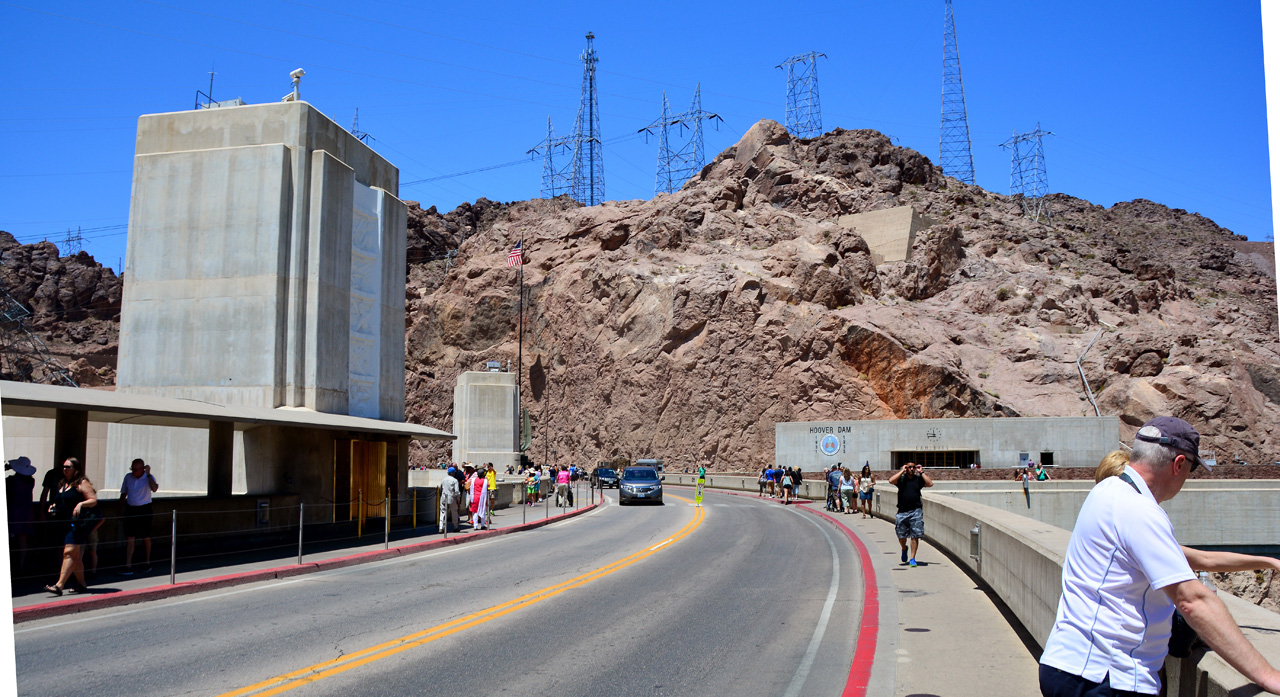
208 96
1027 174
588 158
355 129
955 149
676 166
556 179
804 114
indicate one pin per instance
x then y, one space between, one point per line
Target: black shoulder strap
1129 481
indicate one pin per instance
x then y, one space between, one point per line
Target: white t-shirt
136 490
1113 618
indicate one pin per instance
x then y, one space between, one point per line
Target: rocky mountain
686 326
72 305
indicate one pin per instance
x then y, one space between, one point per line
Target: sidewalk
112 590
940 633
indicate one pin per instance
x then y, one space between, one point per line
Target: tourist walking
18 490
74 505
478 486
848 491
764 481
787 483
450 494
1124 573
866 487
909 524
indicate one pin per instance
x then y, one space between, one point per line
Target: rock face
1257 587
74 305
686 326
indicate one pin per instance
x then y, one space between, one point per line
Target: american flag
516 256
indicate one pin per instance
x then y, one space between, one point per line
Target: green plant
984 375
1003 294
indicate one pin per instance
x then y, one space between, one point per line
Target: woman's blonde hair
1111 466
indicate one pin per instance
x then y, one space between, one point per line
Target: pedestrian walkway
112 589
941 632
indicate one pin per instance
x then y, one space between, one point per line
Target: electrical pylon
588 158
1027 173
355 129
678 165
955 149
556 179
804 113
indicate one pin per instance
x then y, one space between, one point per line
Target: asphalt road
741 597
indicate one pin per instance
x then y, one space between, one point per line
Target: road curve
742 596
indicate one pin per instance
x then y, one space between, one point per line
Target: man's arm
1201 560
893 478
927 480
1206 613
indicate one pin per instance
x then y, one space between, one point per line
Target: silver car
640 484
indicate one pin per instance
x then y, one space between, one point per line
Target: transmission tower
556 179
955 150
588 158
1027 174
23 356
355 129
804 114
676 166
73 243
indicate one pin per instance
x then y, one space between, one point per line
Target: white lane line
660 545
811 653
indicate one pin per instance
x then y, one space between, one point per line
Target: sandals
53 589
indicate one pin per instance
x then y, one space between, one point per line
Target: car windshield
641 474
604 471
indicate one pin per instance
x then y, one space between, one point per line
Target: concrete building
889 233
265 271
1003 442
486 419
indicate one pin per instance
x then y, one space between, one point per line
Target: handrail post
524 502
300 519
173 549
360 515
386 512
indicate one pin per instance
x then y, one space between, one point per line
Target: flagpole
520 358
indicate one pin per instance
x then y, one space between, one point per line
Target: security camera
297 74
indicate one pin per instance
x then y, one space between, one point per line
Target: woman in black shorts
73 504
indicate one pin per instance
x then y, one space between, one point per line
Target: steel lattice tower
955 149
677 166
1027 173
804 113
23 356
556 179
588 158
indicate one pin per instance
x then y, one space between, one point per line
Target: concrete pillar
221 449
70 435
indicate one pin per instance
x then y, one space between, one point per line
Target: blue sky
1154 100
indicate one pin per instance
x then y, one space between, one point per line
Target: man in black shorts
910 480
136 493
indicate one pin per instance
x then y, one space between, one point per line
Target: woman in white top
866 487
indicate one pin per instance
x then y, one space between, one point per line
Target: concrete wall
486 419
1074 441
1197 512
34 438
889 233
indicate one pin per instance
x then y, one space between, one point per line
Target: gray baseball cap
1174 433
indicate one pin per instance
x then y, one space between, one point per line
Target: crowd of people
70 518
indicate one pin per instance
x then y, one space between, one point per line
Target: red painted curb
864 656
96 602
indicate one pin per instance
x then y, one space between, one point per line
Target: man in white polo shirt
1123 575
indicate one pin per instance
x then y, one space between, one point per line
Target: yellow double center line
319 671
